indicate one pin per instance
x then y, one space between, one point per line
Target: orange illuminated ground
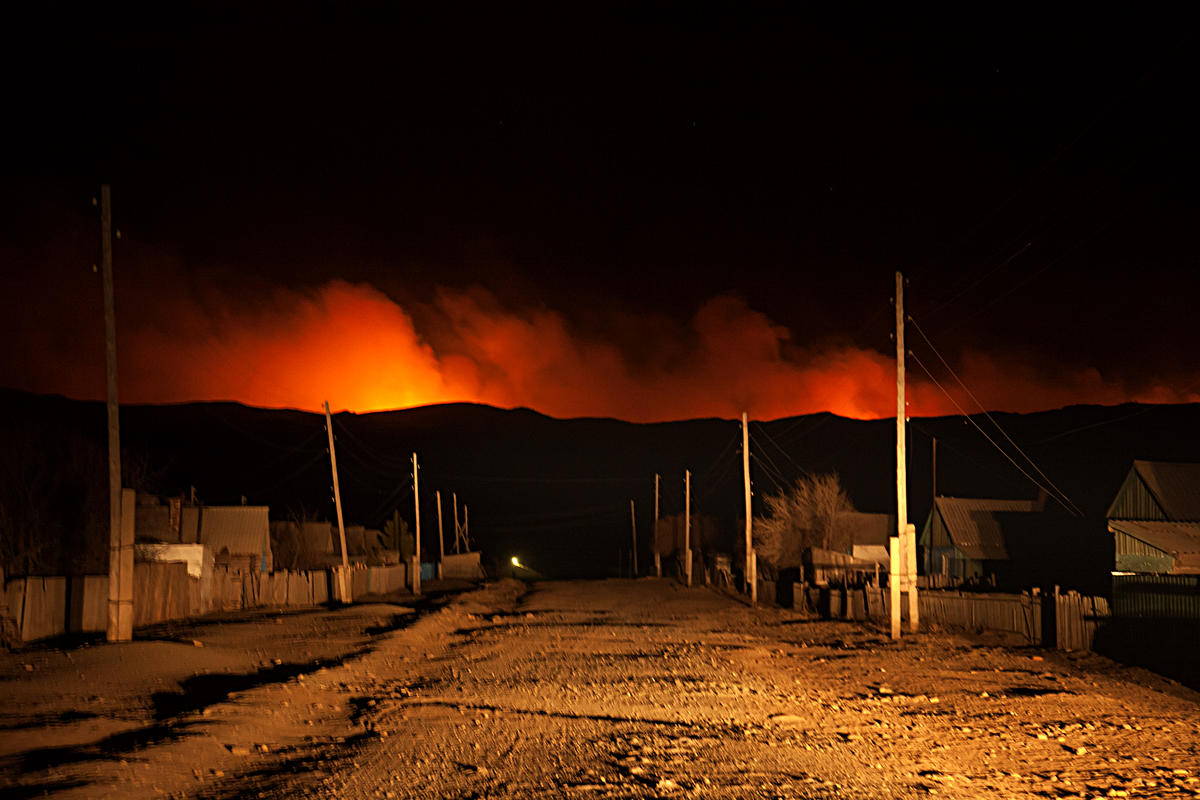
356 347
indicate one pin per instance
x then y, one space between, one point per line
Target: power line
990 418
984 434
763 430
943 443
775 478
768 460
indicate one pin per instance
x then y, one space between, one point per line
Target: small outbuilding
238 536
866 535
1155 519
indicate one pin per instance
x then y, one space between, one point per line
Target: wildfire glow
354 345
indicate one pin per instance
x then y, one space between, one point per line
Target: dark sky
635 210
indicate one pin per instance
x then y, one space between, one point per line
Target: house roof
243 530
1181 540
975 525
862 528
1176 487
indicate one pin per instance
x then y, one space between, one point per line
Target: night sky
642 211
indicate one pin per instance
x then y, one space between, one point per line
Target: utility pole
687 527
466 527
416 560
751 557
344 573
657 555
932 505
441 541
903 555
457 529
633 527
120 577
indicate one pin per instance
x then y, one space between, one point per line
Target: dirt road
646 689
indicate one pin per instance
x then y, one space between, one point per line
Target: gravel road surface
619 689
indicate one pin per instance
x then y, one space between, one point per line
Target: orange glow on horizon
357 348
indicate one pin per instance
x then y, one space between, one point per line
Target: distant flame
352 344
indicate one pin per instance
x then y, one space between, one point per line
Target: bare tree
802 517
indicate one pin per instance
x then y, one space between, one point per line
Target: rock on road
647 689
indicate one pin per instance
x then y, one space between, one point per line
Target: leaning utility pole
687 527
633 526
657 555
120 575
441 541
457 529
751 557
344 572
415 567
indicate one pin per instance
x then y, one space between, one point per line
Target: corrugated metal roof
975 526
1181 540
243 530
862 528
1176 487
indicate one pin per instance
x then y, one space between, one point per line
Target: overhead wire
991 419
1001 450
942 443
773 476
763 430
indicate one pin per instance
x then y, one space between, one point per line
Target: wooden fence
42 607
1072 626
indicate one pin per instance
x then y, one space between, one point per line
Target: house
866 535
975 538
825 567
1155 519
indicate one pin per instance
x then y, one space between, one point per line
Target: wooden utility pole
633 527
441 541
457 529
933 504
903 568
657 555
344 573
416 559
751 559
687 527
120 579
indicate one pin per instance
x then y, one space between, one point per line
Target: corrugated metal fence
1156 596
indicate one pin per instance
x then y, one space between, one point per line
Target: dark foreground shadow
1168 646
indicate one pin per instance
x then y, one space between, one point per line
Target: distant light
516 562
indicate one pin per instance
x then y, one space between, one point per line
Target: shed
866 535
824 567
1155 519
970 537
1158 490
237 535
1156 546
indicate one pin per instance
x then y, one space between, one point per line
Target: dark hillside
556 492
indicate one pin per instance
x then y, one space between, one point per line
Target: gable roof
1176 487
976 525
1180 540
862 528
